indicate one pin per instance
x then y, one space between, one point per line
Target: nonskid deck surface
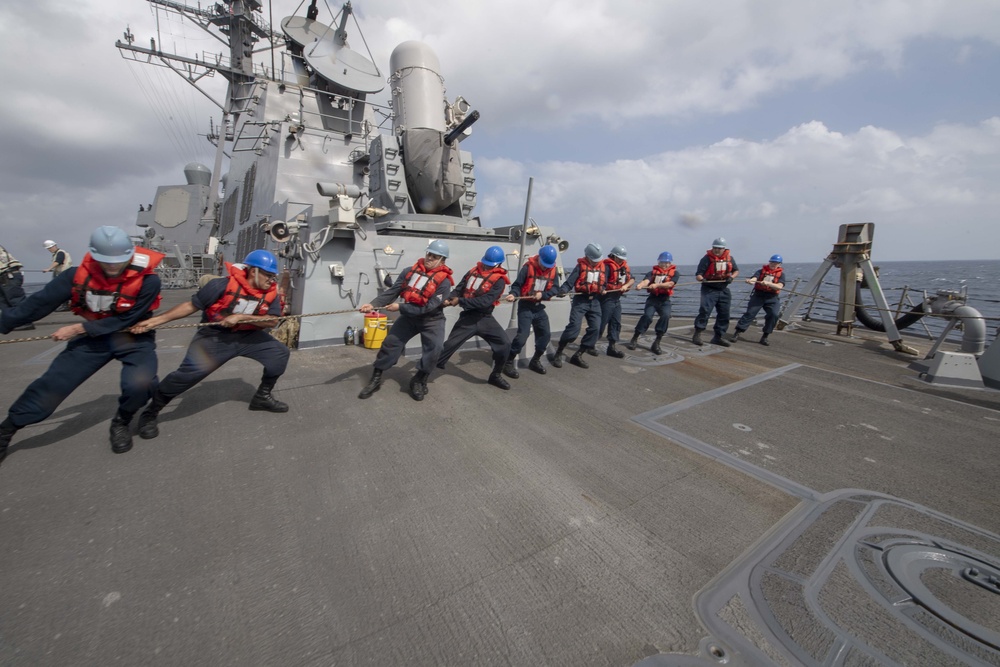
571 520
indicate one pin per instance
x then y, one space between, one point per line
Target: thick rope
517 298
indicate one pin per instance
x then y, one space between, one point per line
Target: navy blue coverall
531 315
714 296
769 301
85 355
11 281
214 346
427 320
611 307
656 303
477 320
584 306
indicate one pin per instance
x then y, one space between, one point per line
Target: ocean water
902 282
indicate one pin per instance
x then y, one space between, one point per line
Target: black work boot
121 435
719 340
7 431
496 379
373 385
614 351
263 400
632 344
418 386
763 340
577 359
148 428
592 351
510 367
655 347
696 338
556 358
536 364
735 338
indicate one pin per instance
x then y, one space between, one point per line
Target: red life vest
661 276
775 275
481 279
719 267
591 278
421 283
538 279
242 298
620 274
95 296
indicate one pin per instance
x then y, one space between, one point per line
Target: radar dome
197 174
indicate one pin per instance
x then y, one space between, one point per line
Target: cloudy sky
656 125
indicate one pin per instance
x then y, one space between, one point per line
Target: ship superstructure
346 191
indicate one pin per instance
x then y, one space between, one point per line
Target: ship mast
238 28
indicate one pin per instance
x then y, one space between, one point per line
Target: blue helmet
592 251
439 248
547 256
665 257
262 260
776 258
111 245
494 256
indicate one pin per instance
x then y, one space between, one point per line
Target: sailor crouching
113 288
479 293
242 307
767 283
715 272
423 288
587 281
535 282
659 283
618 281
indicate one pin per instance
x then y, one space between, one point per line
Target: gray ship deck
812 502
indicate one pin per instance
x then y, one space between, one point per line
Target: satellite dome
197 174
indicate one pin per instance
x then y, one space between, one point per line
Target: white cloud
637 59
88 135
794 190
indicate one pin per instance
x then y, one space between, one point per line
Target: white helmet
49 244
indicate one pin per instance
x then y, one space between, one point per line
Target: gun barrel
462 127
